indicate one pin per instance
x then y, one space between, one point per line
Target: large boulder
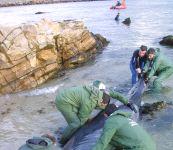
32 54
167 40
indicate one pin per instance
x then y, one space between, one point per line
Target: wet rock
31 54
83 45
168 40
7 111
151 108
101 41
127 21
40 12
52 104
41 111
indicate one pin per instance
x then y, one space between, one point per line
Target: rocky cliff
32 54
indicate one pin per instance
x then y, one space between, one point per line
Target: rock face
32 54
168 40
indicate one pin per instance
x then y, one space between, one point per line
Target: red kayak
122 6
118 7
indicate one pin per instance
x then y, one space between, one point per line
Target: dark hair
106 98
143 48
151 51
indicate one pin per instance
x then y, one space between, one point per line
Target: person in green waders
77 103
122 133
157 65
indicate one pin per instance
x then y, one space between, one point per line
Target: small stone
40 12
127 21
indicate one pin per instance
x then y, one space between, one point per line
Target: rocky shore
32 54
9 3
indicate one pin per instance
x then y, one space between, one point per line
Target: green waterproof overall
122 133
161 67
77 103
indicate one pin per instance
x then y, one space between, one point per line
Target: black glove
132 107
139 75
146 79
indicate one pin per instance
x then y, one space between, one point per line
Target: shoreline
6 4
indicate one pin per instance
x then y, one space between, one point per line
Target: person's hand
146 80
139 75
138 70
132 107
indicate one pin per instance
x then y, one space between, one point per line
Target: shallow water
33 112
161 127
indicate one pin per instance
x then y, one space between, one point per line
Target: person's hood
32 143
100 85
95 93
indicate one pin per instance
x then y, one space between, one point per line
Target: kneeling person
122 133
77 103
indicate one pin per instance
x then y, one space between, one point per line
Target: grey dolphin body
136 92
85 137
